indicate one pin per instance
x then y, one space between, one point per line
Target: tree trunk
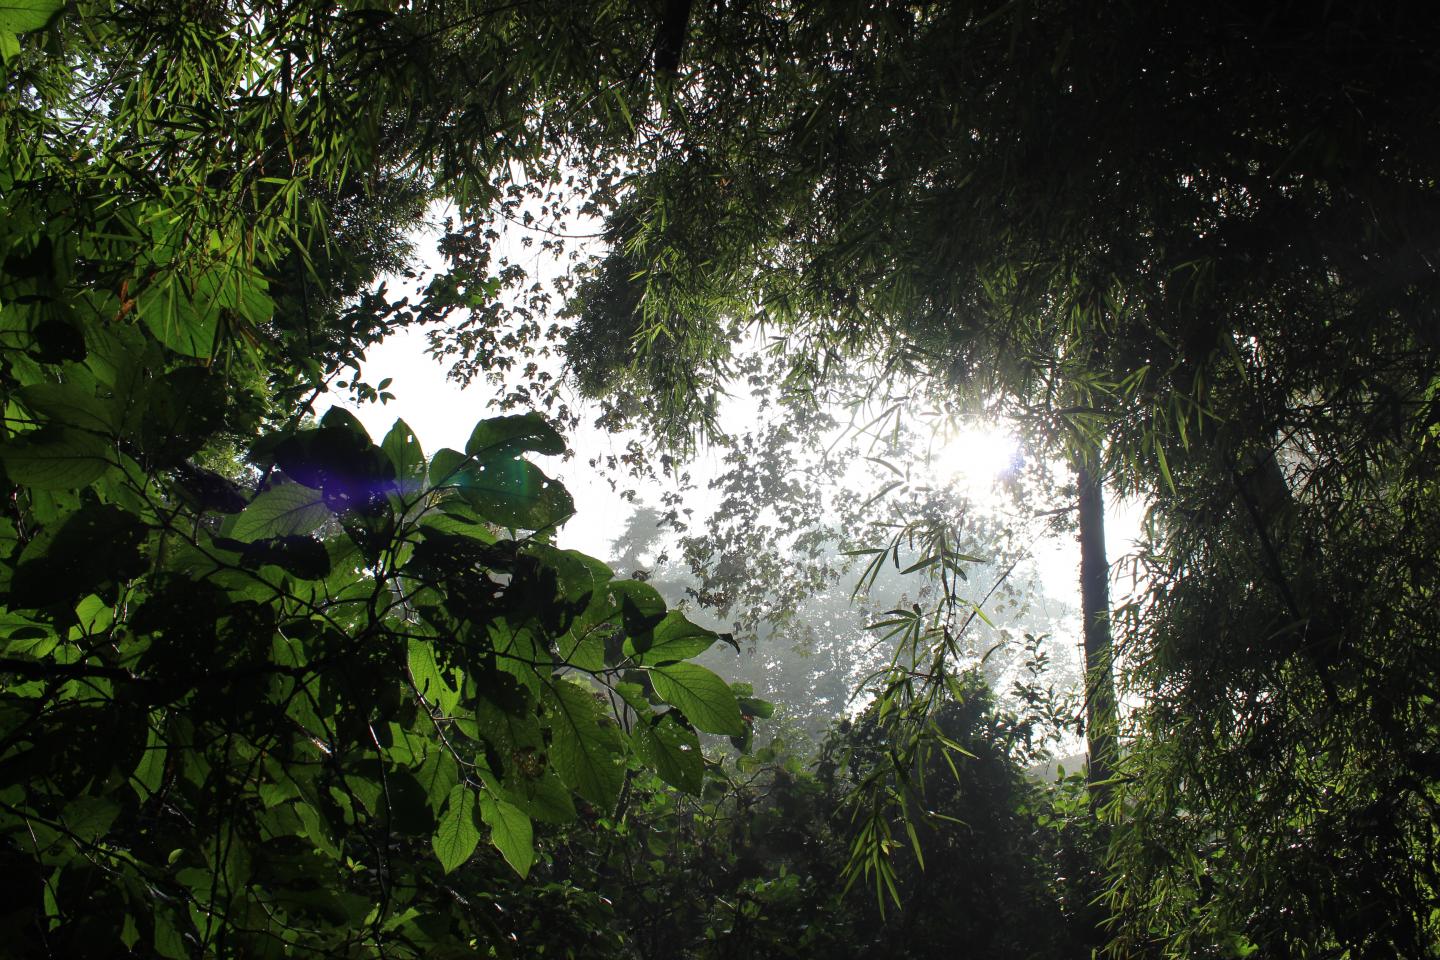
1100 708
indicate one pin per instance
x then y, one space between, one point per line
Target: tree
271 712
1193 238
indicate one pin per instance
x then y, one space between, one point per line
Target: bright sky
442 414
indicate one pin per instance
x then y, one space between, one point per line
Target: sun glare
976 457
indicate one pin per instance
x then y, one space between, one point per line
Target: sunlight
976 456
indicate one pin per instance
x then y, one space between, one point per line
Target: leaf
543 799
641 606
286 509
755 707
425 674
56 458
456 836
70 405
150 771
502 438
673 752
515 494
583 646
406 456
301 556
19 16
674 638
338 418
89 818
168 941
182 317
180 411
701 695
576 574
510 832
96 545
445 467
584 752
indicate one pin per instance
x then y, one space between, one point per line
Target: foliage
243 732
754 864
275 708
1191 238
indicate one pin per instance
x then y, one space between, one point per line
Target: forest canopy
270 686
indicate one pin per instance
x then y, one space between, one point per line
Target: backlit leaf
56 458
702 696
456 836
18 16
510 832
516 494
506 437
585 752
406 456
673 752
286 509
674 638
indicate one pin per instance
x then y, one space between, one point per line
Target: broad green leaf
182 316
304 557
522 653
755 707
71 405
92 615
515 494
423 671
19 16
88 818
425 674
285 509
56 458
338 418
96 545
150 771
168 941
640 605
446 466
503 438
509 730
634 695
576 574
317 830
456 836
510 831
673 752
702 696
406 456
438 776
454 523
129 933
674 638
584 751
544 798
583 646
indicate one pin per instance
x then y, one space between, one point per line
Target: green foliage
753 865
277 708
1188 237
233 711
273 708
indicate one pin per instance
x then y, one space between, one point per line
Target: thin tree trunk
1100 708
